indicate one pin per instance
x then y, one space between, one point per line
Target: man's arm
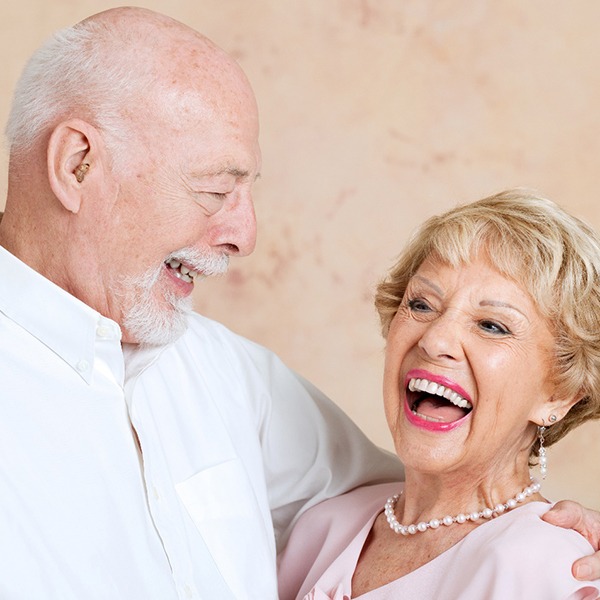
311 450
325 454
572 515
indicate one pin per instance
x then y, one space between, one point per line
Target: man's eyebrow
233 171
237 173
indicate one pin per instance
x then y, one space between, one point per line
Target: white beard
155 319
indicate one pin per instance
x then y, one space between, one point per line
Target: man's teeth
182 272
430 387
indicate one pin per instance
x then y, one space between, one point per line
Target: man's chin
153 327
157 337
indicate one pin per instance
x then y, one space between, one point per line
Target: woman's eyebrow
430 283
501 304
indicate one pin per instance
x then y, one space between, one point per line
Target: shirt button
103 331
83 366
188 591
155 493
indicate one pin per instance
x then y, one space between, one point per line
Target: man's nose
236 226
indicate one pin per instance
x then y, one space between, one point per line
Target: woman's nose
442 339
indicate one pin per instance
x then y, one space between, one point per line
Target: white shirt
232 441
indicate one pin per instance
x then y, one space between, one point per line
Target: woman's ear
72 149
554 410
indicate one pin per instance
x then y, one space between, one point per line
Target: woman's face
467 371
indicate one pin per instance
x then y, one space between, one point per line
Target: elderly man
147 452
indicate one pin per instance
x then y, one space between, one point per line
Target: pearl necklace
486 513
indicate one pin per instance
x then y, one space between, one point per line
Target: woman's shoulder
358 502
518 555
525 523
323 531
350 511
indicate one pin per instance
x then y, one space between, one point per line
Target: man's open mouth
181 271
433 402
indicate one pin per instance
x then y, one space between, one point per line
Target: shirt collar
56 318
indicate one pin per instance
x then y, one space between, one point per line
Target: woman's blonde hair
553 255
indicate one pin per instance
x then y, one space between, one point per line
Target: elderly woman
491 317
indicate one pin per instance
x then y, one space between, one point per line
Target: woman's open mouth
435 406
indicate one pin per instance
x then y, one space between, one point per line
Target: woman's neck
434 496
388 555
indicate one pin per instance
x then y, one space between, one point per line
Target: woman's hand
571 515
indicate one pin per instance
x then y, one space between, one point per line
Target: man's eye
493 327
210 202
220 196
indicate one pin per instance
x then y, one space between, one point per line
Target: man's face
183 206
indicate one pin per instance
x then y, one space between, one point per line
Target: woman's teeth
434 389
181 271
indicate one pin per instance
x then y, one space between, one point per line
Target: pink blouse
515 556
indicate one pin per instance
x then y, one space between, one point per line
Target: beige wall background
375 115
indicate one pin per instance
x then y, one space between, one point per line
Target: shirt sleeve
311 450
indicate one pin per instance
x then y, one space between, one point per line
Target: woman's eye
418 305
493 327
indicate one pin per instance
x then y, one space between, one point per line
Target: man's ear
72 150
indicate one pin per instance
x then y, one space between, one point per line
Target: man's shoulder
202 329
200 325
207 335
210 346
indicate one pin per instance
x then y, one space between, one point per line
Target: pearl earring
542 452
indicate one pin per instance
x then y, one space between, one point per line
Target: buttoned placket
162 503
109 359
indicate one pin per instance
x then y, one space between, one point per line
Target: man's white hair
87 71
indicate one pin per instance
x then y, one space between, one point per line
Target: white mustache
204 263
